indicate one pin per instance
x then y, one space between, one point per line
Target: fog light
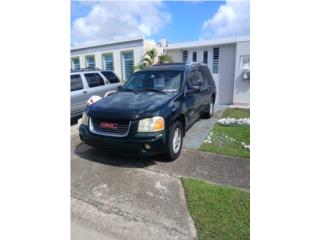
147 146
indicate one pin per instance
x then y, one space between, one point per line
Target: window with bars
205 57
108 62
185 56
194 56
127 65
75 63
215 65
90 62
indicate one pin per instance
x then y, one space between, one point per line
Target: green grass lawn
219 212
230 140
236 113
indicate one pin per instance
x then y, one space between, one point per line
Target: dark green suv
151 112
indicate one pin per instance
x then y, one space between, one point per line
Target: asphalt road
124 196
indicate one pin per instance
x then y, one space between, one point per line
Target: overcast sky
176 21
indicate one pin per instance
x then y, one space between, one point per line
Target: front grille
111 128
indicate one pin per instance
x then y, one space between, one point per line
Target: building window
194 56
127 64
90 62
215 65
108 61
205 57
185 56
75 64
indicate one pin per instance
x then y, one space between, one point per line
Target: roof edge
116 41
217 41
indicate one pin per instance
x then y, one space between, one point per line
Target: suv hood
129 105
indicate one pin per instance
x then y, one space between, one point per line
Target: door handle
85 92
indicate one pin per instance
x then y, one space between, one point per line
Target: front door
193 100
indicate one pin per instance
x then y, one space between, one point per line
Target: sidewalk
215 168
200 130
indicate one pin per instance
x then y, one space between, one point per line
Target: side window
112 78
195 78
94 79
76 82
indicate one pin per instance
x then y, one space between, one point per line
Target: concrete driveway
123 196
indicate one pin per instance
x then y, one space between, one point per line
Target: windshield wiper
154 90
128 89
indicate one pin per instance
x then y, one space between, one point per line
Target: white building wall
176 55
226 73
241 93
116 49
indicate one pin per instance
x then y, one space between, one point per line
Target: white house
228 60
119 56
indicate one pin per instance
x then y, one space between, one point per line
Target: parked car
152 111
88 82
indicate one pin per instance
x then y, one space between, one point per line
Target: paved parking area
115 200
124 196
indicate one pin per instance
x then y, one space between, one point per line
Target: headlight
154 124
85 119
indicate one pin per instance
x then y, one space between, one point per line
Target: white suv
88 82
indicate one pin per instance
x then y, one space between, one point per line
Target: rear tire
209 110
175 141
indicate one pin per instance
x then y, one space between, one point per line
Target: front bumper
133 143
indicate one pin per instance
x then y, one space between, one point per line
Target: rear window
208 75
76 82
111 77
94 79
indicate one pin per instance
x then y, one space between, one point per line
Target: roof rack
86 69
181 63
196 64
161 64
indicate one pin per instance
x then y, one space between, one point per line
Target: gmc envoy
151 112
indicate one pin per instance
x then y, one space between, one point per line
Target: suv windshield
162 81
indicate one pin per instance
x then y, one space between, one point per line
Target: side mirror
119 87
194 89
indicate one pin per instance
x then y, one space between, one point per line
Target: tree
150 58
165 59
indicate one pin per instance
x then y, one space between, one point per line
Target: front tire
175 141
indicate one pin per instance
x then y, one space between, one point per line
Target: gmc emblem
108 125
